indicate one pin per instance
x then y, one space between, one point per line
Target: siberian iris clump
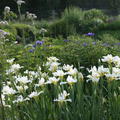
53 84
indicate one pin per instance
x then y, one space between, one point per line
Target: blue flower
84 44
39 42
66 40
117 43
94 43
34 46
105 44
90 34
31 50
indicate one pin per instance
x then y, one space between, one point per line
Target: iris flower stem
3 111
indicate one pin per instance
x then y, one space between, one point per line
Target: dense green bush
25 33
69 22
95 13
84 50
61 27
20 32
112 28
74 20
12 31
115 25
115 34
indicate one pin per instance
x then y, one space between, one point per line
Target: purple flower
94 43
117 43
34 46
90 34
84 44
105 44
66 40
39 42
31 50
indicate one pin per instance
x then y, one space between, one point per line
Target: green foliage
73 15
75 21
61 27
109 28
85 50
69 22
115 25
95 14
112 33
42 24
11 30
10 16
25 33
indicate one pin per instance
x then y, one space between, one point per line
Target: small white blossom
23 80
10 61
53 80
3 23
71 80
59 73
62 97
42 30
14 68
31 16
41 82
112 76
21 88
7 9
72 72
35 94
95 76
67 67
20 2
52 59
8 90
54 66
108 58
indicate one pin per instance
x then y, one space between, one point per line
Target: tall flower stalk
19 3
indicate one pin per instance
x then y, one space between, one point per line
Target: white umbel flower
20 2
7 9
